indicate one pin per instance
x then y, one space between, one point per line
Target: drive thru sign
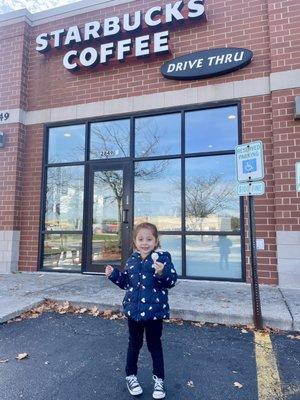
250 161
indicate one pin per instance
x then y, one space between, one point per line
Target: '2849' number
4 116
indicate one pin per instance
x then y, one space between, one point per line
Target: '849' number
4 116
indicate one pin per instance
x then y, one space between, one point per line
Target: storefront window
186 188
64 198
213 256
66 144
110 139
213 129
158 136
157 193
172 244
63 251
211 200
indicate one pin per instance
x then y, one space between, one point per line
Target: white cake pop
154 257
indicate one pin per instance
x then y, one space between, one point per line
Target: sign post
250 171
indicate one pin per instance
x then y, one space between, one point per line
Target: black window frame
131 160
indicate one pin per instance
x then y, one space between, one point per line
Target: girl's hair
146 225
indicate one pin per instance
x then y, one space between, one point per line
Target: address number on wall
4 116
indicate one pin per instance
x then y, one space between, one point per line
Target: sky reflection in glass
157 193
66 144
211 130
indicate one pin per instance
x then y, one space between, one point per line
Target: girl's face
145 242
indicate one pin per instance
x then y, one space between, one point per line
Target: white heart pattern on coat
142 314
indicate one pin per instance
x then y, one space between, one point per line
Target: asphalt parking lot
82 357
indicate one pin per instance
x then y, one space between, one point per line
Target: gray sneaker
159 391
133 385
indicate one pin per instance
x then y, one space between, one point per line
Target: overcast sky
31 5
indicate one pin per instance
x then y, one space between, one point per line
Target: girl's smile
145 242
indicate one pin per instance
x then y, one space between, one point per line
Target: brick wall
31 198
229 23
11 167
257 125
270 28
284 34
14 49
286 138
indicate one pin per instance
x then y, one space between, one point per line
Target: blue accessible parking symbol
249 166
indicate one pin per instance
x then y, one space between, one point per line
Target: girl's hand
159 267
108 270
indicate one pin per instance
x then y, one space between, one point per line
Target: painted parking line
268 380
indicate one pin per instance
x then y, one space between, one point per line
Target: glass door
110 215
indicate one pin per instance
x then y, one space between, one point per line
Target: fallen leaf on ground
190 384
94 311
174 321
22 356
107 313
294 337
199 324
4 361
238 385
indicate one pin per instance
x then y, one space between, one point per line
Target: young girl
147 276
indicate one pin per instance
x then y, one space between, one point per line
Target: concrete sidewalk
216 302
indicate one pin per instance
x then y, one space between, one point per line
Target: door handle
125 216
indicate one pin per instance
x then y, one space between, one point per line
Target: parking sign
250 161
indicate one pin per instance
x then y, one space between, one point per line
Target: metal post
257 316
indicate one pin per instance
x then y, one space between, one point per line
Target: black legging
153 337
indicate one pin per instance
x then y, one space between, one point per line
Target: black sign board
207 63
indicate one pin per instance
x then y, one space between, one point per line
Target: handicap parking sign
249 161
249 166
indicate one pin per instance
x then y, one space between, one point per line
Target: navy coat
146 295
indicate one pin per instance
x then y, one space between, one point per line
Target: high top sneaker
159 391
133 385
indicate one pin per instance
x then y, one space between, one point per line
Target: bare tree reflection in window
149 135
206 196
114 138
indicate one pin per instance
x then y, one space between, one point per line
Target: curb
184 314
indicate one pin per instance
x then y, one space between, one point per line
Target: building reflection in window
213 256
64 201
63 251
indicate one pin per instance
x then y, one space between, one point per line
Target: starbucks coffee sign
102 31
207 63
